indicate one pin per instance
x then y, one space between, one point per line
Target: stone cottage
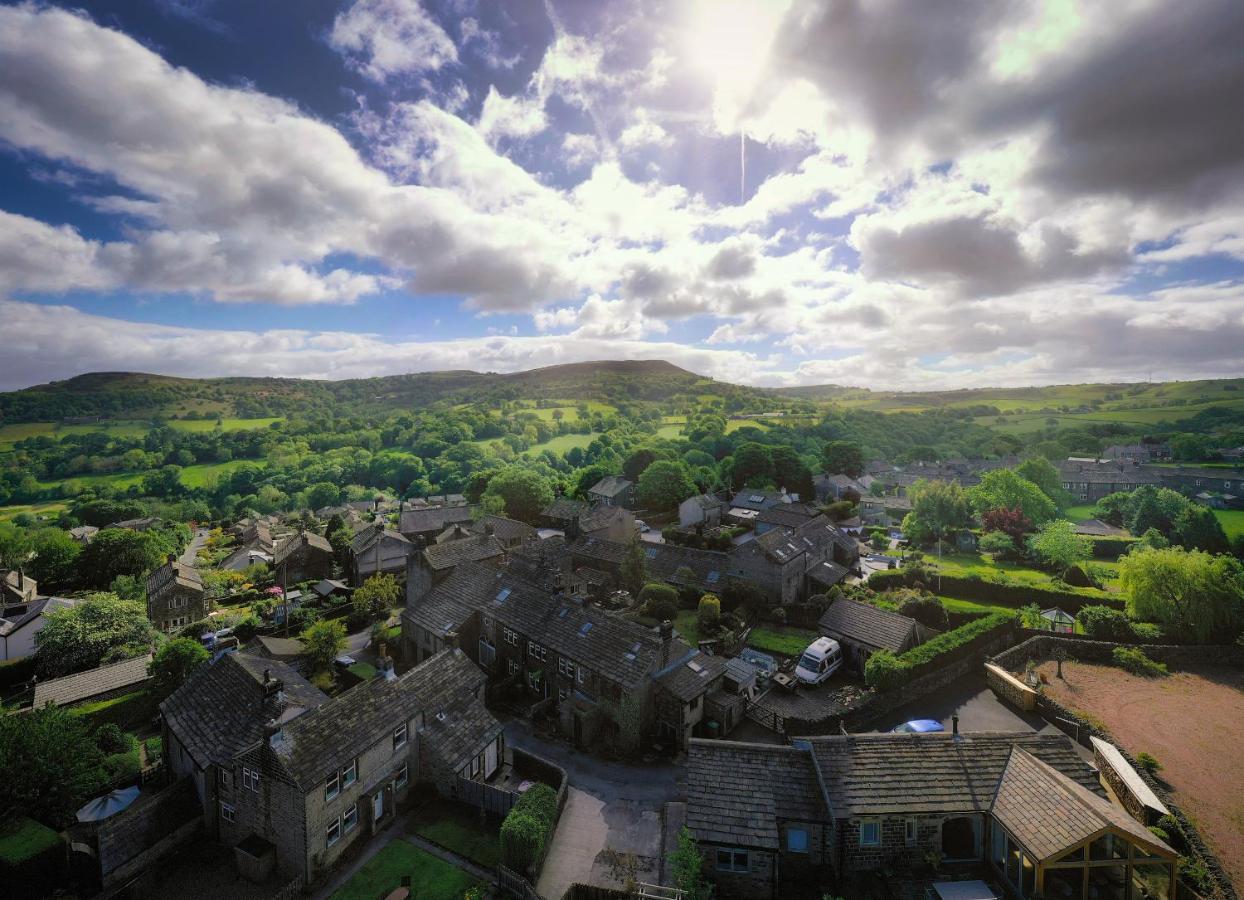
175 595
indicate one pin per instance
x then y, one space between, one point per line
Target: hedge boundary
889 671
982 591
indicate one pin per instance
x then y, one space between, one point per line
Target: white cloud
384 38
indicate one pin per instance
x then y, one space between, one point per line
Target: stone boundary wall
1010 688
1040 647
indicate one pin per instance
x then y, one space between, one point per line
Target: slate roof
917 774
19 586
471 587
789 515
456 724
326 738
307 538
83 532
506 530
222 707
1098 528
706 501
737 793
174 572
472 548
784 544
565 509
691 675
1048 812
422 521
93 682
863 623
17 621
757 500
610 486
827 573
539 562
140 827
603 517
369 536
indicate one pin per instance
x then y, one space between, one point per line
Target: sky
894 194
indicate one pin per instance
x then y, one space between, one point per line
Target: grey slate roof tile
863 623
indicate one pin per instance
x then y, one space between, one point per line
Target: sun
728 43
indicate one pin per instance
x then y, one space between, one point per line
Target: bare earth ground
1192 721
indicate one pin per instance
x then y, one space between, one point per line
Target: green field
1078 513
1232 522
50 509
25 839
983 566
435 880
670 432
19 431
199 475
562 443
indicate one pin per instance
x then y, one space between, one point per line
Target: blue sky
869 192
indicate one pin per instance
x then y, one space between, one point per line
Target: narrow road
195 545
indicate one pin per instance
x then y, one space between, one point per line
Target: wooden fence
493 800
515 885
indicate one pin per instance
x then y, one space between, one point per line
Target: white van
819 661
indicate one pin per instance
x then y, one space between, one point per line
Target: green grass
562 443
25 839
154 748
972 607
432 878
1232 522
365 671
734 425
457 827
50 509
131 712
126 764
687 626
983 566
13 432
670 432
198 475
1078 513
783 639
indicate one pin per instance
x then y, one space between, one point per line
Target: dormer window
399 736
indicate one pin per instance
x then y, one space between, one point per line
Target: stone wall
894 850
757 882
1010 688
1121 790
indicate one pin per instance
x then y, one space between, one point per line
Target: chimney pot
451 640
667 630
954 724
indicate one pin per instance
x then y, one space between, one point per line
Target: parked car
919 726
819 661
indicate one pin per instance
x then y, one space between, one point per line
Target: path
196 544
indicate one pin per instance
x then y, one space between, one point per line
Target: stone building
305 556
377 549
863 629
175 595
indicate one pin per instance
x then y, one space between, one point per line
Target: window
533 679
797 840
403 776
732 860
566 667
332 834
333 787
870 834
226 780
562 694
350 819
399 736
250 780
513 666
227 813
537 651
910 831
511 636
581 675
350 775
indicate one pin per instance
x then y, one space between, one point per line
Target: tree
1003 489
323 493
119 551
1011 522
1197 528
634 569
659 600
49 764
524 493
375 597
174 662
790 472
938 508
843 458
637 463
664 485
54 564
1152 507
687 863
996 542
708 613
323 642
1200 596
1041 472
101 628
1058 546
751 465
1113 508
164 482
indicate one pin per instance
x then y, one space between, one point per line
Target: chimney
386 663
954 724
451 639
271 729
489 529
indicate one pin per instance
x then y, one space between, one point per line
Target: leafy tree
1003 489
100 628
634 568
751 465
1197 528
922 606
1198 595
638 462
687 863
164 482
708 613
375 597
1041 472
323 493
843 457
664 485
1105 623
119 551
15 547
659 600
1058 546
54 564
174 662
938 508
1152 507
323 642
996 542
49 764
790 472
1113 508
524 493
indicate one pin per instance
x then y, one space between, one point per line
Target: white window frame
332 787
537 651
562 695
580 675
513 666
911 831
350 774
403 776
566 667
400 736
876 841
732 860
250 780
791 844
227 812
332 834
511 636
350 819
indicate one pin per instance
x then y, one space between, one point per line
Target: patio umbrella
108 805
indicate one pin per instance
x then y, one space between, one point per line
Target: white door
490 760
377 806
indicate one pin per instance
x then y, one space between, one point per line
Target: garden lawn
1232 522
1078 513
983 566
130 712
972 607
458 828
781 639
25 839
432 878
688 626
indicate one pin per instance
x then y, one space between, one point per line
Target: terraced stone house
175 595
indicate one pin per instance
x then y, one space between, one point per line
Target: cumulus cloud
385 38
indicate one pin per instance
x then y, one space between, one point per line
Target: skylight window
755 498
712 576
503 594
585 628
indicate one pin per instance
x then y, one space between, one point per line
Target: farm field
1191 721
562 443
11 433
199 475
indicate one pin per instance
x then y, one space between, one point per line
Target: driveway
609 806
196 544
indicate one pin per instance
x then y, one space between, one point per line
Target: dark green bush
885 672
1105 623
1135 661
659 601
527 828
985 591
109 738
